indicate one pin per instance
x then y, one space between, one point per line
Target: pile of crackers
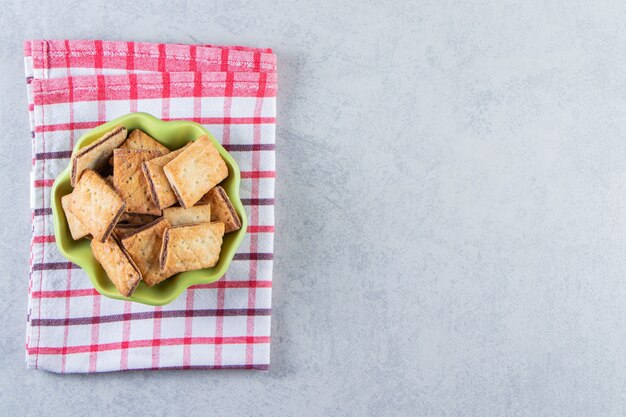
155 213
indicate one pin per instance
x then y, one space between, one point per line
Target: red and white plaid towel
74 86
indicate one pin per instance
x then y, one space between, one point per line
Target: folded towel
74 86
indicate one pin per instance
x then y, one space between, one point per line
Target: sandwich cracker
222 210
77 229
96 205
117 264
179 216
144 246
130 182
141 141
195 171
96 155
160 189
187 248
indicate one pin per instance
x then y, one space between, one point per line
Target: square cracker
222 209
96 155
96 205
180 216
120 269
77 229
130 182
141 141
144 246
186 248
160 188
195 171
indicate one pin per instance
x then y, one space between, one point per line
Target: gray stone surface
451 209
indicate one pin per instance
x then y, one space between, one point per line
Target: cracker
109 179
179 216
222 209
144 246
96 205
186 248
130 182
160 189
121 270
77 229
96 155
195 171
140 140
137 219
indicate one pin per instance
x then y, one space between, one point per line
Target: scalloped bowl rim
79 253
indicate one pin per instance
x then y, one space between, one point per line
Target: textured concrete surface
451 209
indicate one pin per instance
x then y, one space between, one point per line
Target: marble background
451 209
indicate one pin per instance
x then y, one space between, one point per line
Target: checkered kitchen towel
74 86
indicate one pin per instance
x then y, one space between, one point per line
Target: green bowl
174 135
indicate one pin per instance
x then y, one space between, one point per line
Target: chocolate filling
231 209
153 192
73 174
109 230
164 245
103 139
178 197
